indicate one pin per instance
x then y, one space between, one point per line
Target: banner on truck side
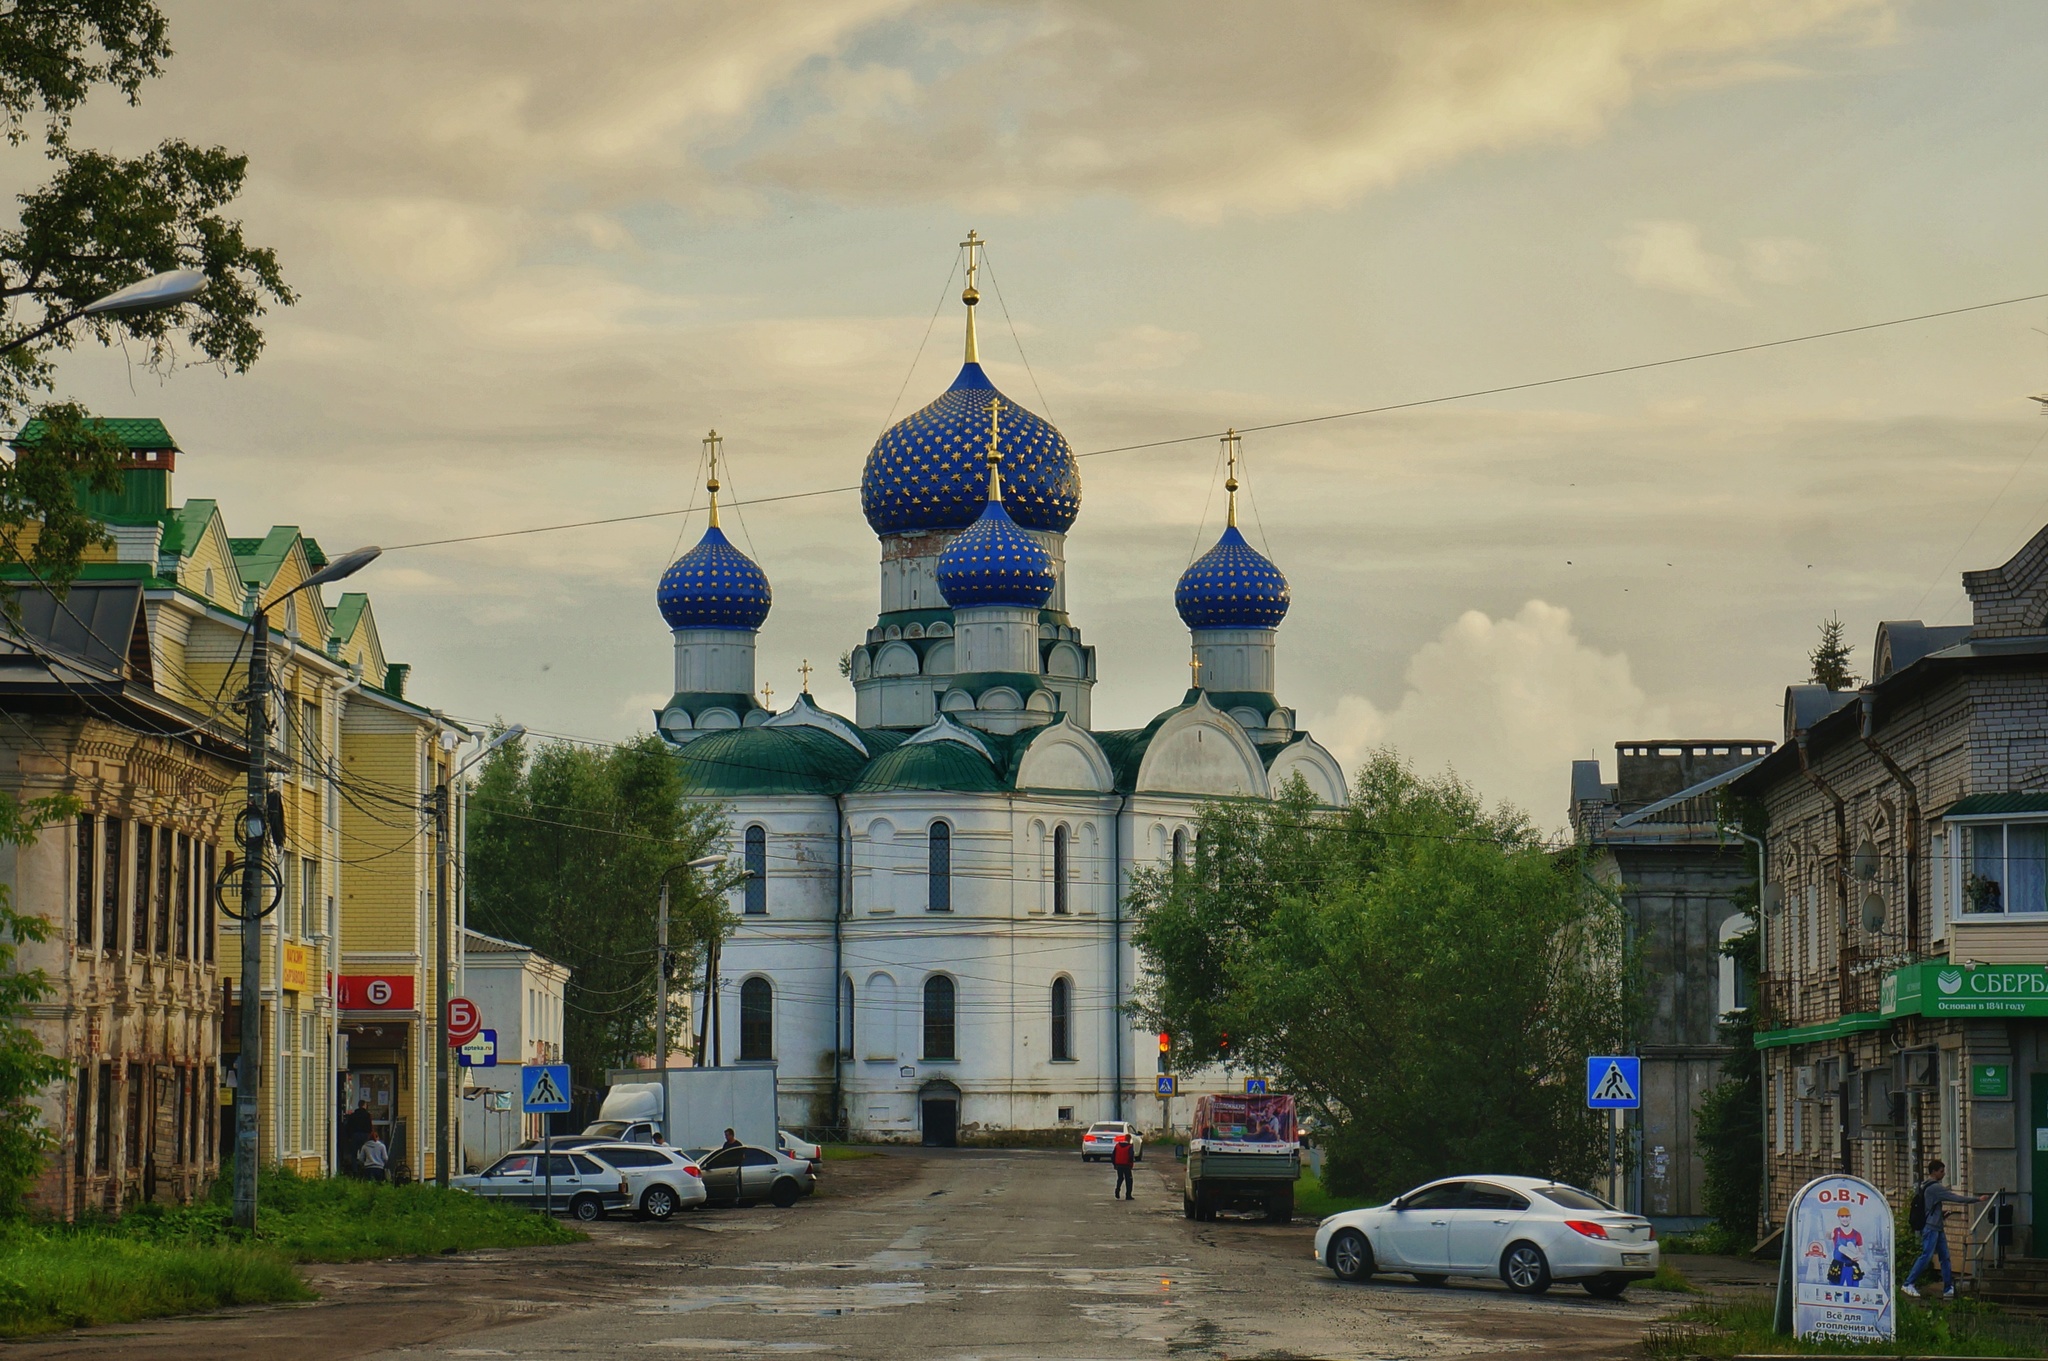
1245 1124
1839 1235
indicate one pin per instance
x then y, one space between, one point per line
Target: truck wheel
1280 1208
1187 1204
658 1204
784 1193
1351 1256
587 1208
1205 1208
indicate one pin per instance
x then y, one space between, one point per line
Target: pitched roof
183 525
346 614
140 433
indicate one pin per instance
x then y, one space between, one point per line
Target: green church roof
945 764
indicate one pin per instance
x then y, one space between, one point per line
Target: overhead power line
1292 422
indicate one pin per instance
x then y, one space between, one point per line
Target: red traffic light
1165 1042
1223 1042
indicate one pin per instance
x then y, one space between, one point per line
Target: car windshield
1572 1198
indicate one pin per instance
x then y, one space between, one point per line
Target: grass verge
160 1260
839 1153
1742 1327
1311 1201
1670 1278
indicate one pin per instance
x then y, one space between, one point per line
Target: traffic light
1165 1043
1223 1045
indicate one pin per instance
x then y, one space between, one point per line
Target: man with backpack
1925 1218
1121 1157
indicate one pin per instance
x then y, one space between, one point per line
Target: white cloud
1670 256
1506 703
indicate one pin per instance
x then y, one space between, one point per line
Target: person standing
1929 1199
731 1141
373 1157
356 1128
1122 1157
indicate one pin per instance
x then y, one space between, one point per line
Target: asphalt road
1001 1255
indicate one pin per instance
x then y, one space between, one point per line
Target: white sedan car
660 1179
1100 1140
1527 1231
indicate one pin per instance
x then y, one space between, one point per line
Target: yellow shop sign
295 975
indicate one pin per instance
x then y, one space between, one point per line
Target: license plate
1635 1259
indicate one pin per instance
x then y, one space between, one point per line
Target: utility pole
442 984
661 1004
249 1067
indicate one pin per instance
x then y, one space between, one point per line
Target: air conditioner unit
1917 1070
1804 1082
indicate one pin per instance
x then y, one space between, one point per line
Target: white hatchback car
660 1179
1100 1140
1528 1231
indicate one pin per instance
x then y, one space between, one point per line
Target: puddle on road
726 1346
833 1301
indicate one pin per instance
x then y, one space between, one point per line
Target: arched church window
1180 847
939 999
1059 871
939 869
846 1016
757 1020
1062 1019
757 870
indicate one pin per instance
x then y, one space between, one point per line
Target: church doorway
939 1107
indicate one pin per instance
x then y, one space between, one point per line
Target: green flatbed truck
1243 1156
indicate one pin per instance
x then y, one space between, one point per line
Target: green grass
1311 1201
1743 1327
839 1153
1670 1278
159 1260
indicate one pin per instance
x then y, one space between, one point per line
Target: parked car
1100 1140
802 1149
583 1183
743 1175
660 1179
1527 1231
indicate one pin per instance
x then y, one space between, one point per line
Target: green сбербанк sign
1938 989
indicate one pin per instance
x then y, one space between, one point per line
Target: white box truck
702 1104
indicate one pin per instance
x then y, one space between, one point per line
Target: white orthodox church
930 938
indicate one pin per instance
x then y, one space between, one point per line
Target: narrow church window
1059 872
938 1017
1180 848
939 869
846 1017
1062 1019
757 870
757 1020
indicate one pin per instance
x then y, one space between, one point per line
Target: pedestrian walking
373 1157
1121 1157
356 1128
1929 1199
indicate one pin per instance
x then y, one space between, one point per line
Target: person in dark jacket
1933 1242
356 1129
1121 1157
731 1141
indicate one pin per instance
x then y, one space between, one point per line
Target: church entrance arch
938 1106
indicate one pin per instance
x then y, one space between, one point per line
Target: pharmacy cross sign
1614 1082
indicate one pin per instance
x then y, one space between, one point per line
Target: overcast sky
542 247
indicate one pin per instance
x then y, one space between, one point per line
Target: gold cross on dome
767 695
805 669
1195 668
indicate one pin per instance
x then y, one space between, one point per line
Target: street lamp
159 290
255 829
444 991
702 862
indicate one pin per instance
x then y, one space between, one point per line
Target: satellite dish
1864 863
1874 913
1773 899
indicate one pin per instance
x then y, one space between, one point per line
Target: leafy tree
1730 1127
24 1068
1423 972
100 223
566 853
1830 657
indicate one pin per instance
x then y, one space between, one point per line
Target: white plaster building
931 939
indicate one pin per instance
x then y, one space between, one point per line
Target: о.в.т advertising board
1838 1236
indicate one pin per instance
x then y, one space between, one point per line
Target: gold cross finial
995 452
713 442
805 671
1231 440
1195 668
767 695
970 295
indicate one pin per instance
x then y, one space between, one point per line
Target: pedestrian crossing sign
1166 1084
1614 1082
544 1088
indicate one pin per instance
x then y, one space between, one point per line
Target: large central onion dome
714 586
995 563
1232 586
925 472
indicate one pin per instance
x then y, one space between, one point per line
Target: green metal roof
1984 805
947 765
141 434
258 559
346 614
185 525
745 761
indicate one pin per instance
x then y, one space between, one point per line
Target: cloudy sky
543 247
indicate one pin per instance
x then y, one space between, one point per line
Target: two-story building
1905 999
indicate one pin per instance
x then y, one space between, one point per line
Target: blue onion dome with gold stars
925 472
1232 586
714 586
993 562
